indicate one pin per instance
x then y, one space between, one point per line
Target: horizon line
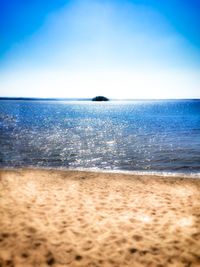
90 99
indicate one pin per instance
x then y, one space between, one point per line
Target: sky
83 48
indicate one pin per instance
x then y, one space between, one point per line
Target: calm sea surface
161 136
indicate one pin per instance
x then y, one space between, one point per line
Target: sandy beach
71 218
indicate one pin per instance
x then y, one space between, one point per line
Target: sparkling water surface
159 136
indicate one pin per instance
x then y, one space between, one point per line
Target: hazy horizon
90 98
138 49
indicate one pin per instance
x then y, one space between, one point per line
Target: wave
97 170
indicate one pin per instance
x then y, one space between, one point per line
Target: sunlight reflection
144 218
182 191
110 142
184 222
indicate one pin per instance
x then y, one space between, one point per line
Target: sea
160 136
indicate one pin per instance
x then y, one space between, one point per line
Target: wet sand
71 218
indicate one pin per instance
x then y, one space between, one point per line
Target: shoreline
83 218
96 170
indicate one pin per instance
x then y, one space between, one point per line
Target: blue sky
83 48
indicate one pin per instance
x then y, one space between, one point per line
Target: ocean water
152 136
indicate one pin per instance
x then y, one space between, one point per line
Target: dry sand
57 218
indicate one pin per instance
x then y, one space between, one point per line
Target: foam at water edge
149 173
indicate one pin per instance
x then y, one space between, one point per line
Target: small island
100 98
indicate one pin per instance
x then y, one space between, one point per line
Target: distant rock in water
100 98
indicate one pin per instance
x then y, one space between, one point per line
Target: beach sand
71 218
